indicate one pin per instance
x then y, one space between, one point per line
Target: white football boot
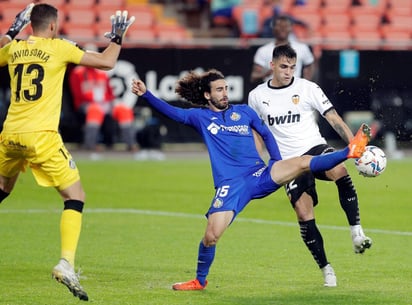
360 241
329 276
64 273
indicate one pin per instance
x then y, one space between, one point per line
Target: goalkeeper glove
120 24
20 22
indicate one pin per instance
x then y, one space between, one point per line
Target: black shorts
306 182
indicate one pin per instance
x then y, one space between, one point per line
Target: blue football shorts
235 194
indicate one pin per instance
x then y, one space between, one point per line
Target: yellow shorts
44 152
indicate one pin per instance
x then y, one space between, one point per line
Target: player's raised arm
106 60
20 22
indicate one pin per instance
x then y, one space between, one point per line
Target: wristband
11 33
117 39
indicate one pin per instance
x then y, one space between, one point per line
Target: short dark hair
284 50
192 86
41 15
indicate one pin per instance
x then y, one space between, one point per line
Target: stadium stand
116 4
171 33
248 19
86 32
144 14
336 39
366 39
369 7
374 24
8 11
365 21
396 40
400 7
336 6
336 21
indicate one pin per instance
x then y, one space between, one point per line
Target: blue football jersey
227 134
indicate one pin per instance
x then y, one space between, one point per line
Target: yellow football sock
70 227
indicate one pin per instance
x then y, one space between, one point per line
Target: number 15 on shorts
222 191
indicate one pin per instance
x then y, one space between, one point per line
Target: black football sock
348 199
314 241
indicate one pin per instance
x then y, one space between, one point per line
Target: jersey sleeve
321 101
261 128
175 113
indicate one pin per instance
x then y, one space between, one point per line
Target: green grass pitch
143 221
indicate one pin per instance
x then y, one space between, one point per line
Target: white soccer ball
372 163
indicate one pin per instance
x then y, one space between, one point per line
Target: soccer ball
372 163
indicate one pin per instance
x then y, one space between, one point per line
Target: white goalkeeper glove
20 22
120 25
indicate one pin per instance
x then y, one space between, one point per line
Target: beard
221 105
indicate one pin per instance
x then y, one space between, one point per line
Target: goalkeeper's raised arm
20 22
106 60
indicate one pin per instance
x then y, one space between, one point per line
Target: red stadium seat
80 17
166 33
367 40
336 21
336 6
144 35
144 14
79 33
366 21
312 19
336 40
400 7
396 40
81 3
309 7
116 4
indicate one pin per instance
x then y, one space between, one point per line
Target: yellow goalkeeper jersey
36 67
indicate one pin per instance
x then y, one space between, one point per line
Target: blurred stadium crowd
329 24
240 26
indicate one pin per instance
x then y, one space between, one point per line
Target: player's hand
20 22
138 87
120 25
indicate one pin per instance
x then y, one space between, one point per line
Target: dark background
383 85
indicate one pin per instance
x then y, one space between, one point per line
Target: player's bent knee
305 162
210 240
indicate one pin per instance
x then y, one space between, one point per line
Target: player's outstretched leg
64 273
360 140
